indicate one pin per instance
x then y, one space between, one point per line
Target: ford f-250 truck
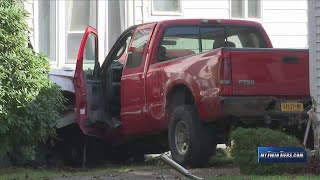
191 78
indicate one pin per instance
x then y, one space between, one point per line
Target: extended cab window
184 41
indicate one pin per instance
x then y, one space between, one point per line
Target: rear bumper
261 106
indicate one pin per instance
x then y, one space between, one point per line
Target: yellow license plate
292 107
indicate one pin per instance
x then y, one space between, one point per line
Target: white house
58 24
314 50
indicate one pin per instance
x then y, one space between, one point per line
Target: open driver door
90 109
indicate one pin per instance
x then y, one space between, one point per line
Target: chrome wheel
182 137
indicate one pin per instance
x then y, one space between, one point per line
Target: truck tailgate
270 72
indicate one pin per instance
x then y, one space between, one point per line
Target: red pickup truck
191 78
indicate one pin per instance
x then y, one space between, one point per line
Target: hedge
245 151
29 101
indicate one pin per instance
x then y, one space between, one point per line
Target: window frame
245 9
53 33
53 24
93 12
107 60
144 49
167 13
58 39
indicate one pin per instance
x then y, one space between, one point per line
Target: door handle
290 59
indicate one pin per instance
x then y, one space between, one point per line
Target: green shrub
29 101
245 151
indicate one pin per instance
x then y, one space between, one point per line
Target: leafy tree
29 101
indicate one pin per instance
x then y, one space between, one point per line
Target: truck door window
121 48
137 48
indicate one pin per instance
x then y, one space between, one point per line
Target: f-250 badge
247 82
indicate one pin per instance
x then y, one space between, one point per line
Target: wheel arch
178 94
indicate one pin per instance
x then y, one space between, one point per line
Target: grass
265 178
29 173
222 159
34 174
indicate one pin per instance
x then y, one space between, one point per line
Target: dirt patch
157 173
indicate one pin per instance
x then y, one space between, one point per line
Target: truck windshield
186 40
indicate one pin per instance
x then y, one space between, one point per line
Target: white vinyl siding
189 9
314 50
286 22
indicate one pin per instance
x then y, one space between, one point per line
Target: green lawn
265 178
221 160
28 174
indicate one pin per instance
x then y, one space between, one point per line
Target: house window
246 9
166 7
79 14
46 31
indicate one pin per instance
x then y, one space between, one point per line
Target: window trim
246 11
93 12
60 35
167 13
53 33
144 50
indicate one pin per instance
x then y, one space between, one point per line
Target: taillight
225 71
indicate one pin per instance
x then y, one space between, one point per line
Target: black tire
199 138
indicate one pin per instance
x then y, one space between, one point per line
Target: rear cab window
187 40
